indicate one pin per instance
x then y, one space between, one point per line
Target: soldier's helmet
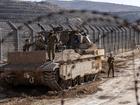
66 30
42 33
51 31
74 32
110 55
58 29
39 33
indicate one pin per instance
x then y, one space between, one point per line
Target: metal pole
93 30
135 75
1 48
131 37
107 39
114 38
31 30
99 35
103 38
86 29
122 39
62 97
41 26
138 35
111 38
126 39
119 39
14 28
105 42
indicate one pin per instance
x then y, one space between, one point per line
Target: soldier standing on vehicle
111 64
40 42
27 45
51 42
75 39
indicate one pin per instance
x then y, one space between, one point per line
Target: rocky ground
104 91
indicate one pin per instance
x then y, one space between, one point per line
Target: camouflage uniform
111 65
40 43
27 45
74 40
51 42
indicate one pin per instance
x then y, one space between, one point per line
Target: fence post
93 31
138 37
41 26
122 39
99 34
131 37
105 42
136 33
126 39
119 39
111 38
15 30
87 31
31 30
1 54
114 38
103 38
107 38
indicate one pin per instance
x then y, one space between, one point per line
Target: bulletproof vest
52 39
64 37
40 43
110 60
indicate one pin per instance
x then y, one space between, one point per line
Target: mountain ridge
90 5
21 11
130 13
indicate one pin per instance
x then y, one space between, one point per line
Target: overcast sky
128 2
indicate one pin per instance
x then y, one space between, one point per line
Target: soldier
75 40
27 45
111 64
51 42
40 42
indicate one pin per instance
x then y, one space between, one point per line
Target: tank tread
50 76
51 81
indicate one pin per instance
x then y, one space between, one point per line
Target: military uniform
40 43
51 42
111 65
75 39
27 45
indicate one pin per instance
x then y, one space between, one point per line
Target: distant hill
131 16
18 11
98 6
130 13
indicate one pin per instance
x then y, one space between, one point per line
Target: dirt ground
104 91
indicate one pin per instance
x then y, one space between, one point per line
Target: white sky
128 2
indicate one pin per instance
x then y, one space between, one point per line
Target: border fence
112 33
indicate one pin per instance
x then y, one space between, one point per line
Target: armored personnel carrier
69 68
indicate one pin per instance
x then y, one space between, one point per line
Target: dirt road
113 91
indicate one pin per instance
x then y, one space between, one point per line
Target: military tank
69 68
